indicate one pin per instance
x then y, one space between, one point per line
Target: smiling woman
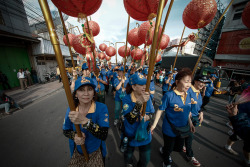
94 119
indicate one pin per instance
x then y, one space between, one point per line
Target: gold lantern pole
153 49
179 46
116 51
204 47
55 43
126 45
67 38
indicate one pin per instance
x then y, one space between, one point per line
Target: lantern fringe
151 16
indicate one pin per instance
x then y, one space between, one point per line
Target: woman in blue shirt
132 108
92 116
120 84
176 104
167 82
197 114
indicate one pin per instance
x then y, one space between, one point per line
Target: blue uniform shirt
197 98
165 86
118 92
130 129
176 110
152 88
98 113
209 88
102 88
103 71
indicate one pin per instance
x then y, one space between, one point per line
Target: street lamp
116 51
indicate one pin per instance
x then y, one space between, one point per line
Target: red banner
235 42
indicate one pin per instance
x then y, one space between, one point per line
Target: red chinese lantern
146 32
108 58
142 10
137 54
246 15
164 41
101 55
121 51
94 26
71 37
133 37
81 43
110 51
158 58
199 13
103 47
78 8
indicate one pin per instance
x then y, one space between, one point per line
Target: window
1 19
237 16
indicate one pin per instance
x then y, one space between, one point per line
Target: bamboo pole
204 47
153 49
164 25
126 45
55 43
67 38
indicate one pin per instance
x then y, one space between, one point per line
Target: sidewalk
33 93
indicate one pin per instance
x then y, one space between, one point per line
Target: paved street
33 137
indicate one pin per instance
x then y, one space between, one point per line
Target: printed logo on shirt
176 108
125 107
106 120
193 101
106 115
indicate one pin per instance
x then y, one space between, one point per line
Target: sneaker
230 126
194 161
116 122
184 149
165 165
129 165
231 151
161 150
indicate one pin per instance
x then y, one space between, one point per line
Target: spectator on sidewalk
58 73
27 73
7 102
34 75
4 81
22 79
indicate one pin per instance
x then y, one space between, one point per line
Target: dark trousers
171 144
144 155
101 97
205 100
188 144
163 92
6 85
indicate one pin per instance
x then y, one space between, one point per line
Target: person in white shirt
22 79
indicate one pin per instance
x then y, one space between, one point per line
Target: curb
25 103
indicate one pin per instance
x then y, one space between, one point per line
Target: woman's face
85 94
139 89
184 84
85 72
199 85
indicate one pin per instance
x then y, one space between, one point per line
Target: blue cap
121 69
84 81
201 78
137 78
145 71
213 75
85 66
170 72
175 69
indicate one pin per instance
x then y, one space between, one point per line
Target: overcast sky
112 19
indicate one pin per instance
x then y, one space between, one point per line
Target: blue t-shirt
198 100
99 116
245 108
209 88
175 110
118 92
102 88
103 71
130 129
152 88
165 86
